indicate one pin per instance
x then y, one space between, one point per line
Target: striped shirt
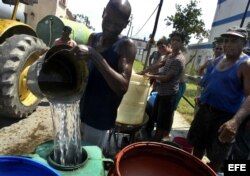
175 64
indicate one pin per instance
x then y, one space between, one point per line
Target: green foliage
138 66
186 19
185 109
83 19
191 93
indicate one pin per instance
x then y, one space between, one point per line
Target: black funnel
59 76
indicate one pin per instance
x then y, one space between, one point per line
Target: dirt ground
25 135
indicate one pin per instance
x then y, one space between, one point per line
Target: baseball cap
236 31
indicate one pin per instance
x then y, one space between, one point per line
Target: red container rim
163 149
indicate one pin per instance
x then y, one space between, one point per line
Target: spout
58 76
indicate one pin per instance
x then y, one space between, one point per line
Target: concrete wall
141 46
44 7
196 56
228 13
61 9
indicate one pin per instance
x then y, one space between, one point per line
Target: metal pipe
13 17
153 34
188 101
245 14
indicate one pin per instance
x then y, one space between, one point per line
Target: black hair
163 41
67 29
179 34
217 41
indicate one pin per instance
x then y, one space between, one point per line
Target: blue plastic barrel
21 166
151 98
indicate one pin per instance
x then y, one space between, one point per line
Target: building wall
61 8
142 51
228 13
196 56
44 7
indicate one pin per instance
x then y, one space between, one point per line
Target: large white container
132 108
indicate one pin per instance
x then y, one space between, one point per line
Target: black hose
188 101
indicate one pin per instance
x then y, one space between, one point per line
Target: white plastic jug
132 108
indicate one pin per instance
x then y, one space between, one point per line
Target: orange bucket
152 158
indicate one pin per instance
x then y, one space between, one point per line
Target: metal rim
25 95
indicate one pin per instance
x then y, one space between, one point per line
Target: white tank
132 108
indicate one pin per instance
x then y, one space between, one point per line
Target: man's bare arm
162 78
202 68
160 63
118 81
170 74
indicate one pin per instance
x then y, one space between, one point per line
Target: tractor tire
17 54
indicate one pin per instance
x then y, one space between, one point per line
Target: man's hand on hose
82 52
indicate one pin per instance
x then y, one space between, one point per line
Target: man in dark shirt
111 57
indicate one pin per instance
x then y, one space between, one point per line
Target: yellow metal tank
132 108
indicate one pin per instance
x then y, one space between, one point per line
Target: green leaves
83 19
187 19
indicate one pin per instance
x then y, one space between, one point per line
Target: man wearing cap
209 65
65 39
218 51
225 102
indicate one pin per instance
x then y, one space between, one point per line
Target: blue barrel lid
18 166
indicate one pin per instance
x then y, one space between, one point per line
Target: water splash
67 136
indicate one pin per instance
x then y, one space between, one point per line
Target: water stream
67 136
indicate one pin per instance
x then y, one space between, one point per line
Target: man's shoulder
245 59
246 62
58 41
126 39
126 42
73 41
244 67
126 47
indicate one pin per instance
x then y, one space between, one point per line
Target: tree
83 19
187 20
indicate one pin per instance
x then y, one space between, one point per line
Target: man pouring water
110 58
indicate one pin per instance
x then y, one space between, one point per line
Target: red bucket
183 144
151 159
